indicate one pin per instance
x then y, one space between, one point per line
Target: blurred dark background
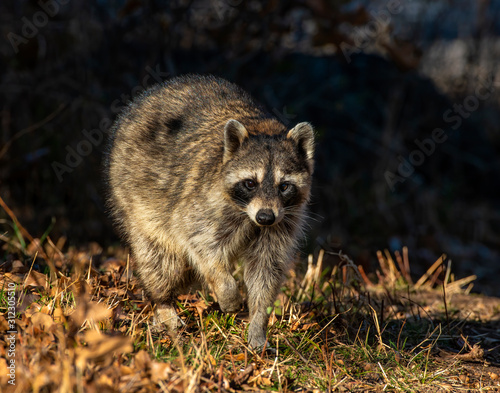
404 96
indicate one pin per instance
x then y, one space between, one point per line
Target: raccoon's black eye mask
243 192
289 193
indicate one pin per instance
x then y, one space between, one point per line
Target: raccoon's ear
303 135
234 135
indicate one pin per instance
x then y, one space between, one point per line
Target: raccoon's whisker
295 215
300 214
293 223
313 217
297 224
301 233
241 214
309 218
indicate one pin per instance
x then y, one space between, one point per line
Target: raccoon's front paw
230 299
256 337
232 305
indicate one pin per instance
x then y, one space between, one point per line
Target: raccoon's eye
250 184
284 186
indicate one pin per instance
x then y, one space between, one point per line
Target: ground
81 323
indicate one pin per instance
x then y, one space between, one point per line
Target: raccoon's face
268 177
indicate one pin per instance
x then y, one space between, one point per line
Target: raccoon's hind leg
163 275
166 317
217 274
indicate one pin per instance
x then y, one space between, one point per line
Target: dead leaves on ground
82 332
61 340
88 331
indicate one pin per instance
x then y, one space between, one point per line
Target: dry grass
83 325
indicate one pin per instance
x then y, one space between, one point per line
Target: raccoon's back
188 110
168 143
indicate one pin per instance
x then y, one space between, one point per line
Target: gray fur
182 163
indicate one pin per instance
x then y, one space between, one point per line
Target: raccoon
200 176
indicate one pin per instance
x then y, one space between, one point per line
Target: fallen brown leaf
101 346
42 321
88 310
4 371
161 371
36 280
142 360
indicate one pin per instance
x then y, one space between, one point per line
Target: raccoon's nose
265 217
